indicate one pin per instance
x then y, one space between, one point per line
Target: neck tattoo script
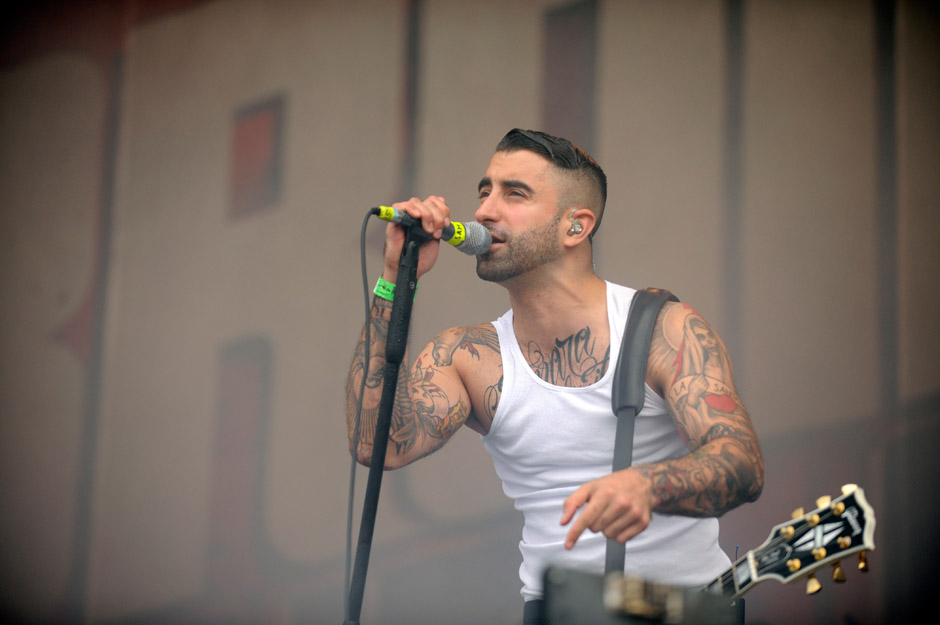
571 362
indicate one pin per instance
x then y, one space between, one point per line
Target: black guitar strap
629 388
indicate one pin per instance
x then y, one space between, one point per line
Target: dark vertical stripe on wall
570 52
734 105
236 510
406 179
886 209
91 408
898 461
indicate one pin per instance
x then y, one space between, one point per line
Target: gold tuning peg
849 488
823 501
812 585
838 575
798 513
863 561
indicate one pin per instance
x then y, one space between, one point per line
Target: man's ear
580 223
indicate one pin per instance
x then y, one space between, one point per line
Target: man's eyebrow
512 184
517 184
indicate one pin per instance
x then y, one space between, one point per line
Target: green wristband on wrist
386 290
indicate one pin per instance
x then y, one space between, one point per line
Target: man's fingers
613 525
584 495
575 532
613 505
634 526
628 533
441 214
574 501
432 212
577 499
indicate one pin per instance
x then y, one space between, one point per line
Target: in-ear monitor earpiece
576 226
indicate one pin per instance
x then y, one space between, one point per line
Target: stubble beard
521 253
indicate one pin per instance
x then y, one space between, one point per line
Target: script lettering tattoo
491 398
725 467
572 361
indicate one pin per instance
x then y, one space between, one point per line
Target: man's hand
434 215
619 505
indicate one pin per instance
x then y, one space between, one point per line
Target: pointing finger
574 501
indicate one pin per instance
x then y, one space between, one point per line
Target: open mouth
495 245
497 238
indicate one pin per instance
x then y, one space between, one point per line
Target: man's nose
487 210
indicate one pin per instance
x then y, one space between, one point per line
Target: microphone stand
407 282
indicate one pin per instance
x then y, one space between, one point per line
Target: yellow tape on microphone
460 233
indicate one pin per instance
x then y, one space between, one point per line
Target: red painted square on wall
256 157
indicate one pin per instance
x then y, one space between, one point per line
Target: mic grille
477 241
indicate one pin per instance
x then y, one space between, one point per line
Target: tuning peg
794 565
838 575
837 508
812 585
812 520
819 553
849 488
823 501
863 561
798 513
788 532
844 542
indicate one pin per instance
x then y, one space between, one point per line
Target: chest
574 361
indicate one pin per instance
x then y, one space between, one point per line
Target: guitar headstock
837 528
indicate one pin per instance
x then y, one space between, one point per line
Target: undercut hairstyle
586 181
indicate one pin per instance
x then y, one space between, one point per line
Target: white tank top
548 440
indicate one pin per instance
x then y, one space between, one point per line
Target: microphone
470 238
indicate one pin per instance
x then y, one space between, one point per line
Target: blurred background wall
183 184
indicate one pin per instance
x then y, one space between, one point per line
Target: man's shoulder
483 334
475 353
474 341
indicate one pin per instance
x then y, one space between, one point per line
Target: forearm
415 428
720 475
361 441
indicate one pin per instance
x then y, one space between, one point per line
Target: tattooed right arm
431 402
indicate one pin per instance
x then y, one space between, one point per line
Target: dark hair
561 153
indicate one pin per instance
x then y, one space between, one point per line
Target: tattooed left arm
689 366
